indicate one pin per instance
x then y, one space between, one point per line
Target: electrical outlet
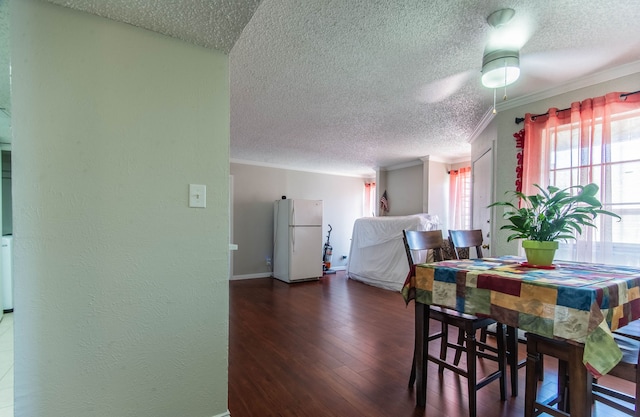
268 259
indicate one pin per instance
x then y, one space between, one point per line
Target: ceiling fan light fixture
500 68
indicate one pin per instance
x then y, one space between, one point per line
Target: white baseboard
268 274
251 276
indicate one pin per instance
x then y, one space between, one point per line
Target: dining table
577 302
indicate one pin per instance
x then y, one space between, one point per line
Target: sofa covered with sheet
377 256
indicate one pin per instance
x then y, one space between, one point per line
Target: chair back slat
631 330
466 239
422 240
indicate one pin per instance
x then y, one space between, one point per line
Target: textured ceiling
347 86
214 24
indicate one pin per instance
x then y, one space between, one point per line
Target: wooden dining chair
466 239
425 242
570 363
570 366
462 242
466 324
628 340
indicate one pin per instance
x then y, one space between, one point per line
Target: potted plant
551 215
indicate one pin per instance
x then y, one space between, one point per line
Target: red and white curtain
460 198
596 140
369 203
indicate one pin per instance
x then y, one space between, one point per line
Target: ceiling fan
500 63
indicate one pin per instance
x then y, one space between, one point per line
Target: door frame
490 151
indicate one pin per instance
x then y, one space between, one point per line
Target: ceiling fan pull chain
494 100
505 81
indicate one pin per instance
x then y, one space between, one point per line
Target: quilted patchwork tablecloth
580 302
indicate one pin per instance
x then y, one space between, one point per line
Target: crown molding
482 125
445 160
402 165
586 81
288 168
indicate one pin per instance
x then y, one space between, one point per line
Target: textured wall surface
121 292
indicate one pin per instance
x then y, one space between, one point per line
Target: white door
481 194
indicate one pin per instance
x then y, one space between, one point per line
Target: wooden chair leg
461 340
470 345
421 352
512 358
563 386
412 376
540 369
637 402
444 341
467 331
483 338
502 361
443 354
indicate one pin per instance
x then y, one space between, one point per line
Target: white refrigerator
297 246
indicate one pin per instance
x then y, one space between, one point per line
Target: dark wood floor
337 347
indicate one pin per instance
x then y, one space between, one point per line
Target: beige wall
121 290
422 188
438 192
504 127
404 190
255 190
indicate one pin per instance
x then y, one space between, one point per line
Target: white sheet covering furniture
377 255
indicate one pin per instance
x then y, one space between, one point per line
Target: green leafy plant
554 213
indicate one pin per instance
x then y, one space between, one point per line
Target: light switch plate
197 195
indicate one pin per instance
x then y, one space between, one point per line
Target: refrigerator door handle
292 230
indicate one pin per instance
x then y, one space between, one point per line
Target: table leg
420 357
580 381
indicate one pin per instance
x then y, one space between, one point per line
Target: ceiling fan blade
443 88
568 64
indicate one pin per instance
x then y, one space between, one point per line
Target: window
460 198
369 202
597 140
